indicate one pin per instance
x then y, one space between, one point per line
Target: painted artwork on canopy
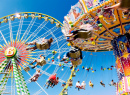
126 28
116 30
115 48
120 87
90 4
66 28
77 11
70 17
123 86
109 16
125 59
93 22
119 69
123 45
124 16
127 83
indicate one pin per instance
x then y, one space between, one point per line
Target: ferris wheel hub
10 52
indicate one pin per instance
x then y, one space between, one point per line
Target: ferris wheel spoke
28 29
3 38
34 34
20 28
38 84
42 88
55 28
58 47
63 43
60 38
47 33
50 51
38 92
10 28
57 67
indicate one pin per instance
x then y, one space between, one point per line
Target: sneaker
62 59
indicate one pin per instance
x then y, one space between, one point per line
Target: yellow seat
77 62
73 74
76 54
42 63
84 35
27 69
42 46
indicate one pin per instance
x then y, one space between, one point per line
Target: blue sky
58 9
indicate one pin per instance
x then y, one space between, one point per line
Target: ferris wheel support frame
16 71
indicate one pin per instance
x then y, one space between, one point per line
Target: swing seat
74 54
35 78
77 62
70 84
42 46
27 69
42 63
84 34
112 85
65 93
80 87
5 20
91 85
73 74
125 4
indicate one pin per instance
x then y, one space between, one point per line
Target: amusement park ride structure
111 32
14 56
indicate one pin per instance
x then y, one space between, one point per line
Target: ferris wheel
16 30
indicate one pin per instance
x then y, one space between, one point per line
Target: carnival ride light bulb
58 57
62 69
17 15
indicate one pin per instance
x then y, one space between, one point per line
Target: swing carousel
111 32
16 30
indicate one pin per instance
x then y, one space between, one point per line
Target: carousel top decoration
107 24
